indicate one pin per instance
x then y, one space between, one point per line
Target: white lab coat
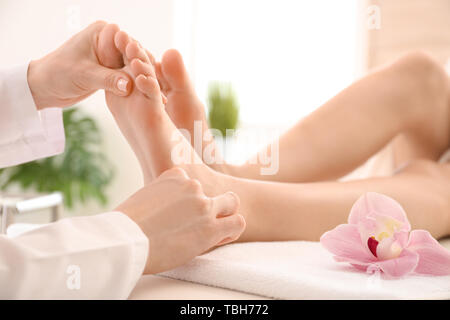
92 257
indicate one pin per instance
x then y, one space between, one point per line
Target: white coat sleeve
93 257
25 133
99 256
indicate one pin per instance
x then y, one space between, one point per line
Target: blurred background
282 59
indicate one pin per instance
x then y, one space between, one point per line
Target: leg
429 137
286 211
304 211
408 99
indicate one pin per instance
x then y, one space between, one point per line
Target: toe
165 87
174 70
138 67
151 57
134 51
148 86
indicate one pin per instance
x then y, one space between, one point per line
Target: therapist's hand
73 72
180 221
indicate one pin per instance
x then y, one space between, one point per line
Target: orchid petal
433 258
405 263
373 204
344 241
402 237
390 248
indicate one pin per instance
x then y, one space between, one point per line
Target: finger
176 172
134 51
138 67
148 86
114 81
107 52
230 228
225 205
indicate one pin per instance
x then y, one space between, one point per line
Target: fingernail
122 85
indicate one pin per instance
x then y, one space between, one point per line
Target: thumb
114 81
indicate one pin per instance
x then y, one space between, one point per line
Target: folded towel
301 270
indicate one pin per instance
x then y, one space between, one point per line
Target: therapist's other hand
72 72
180 221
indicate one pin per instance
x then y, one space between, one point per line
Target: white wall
285 58
29 29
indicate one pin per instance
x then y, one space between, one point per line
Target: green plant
223 107
82 172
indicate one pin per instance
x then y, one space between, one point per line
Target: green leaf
223 107
81 173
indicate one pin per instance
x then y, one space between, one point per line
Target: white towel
301 270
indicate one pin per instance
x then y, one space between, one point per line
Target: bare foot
185 108
112 46
154 138
110 39
142 118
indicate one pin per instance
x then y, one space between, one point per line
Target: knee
424 79
423 71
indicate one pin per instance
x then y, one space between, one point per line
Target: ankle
220 183
214 182
228 183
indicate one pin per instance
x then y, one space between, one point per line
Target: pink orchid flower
378 238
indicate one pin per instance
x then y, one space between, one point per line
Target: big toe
109 56
174 70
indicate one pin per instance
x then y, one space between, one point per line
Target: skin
184 224
72 72
406 103
179 226
172 210
410 114
183 105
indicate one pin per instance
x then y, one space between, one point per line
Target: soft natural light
284 58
